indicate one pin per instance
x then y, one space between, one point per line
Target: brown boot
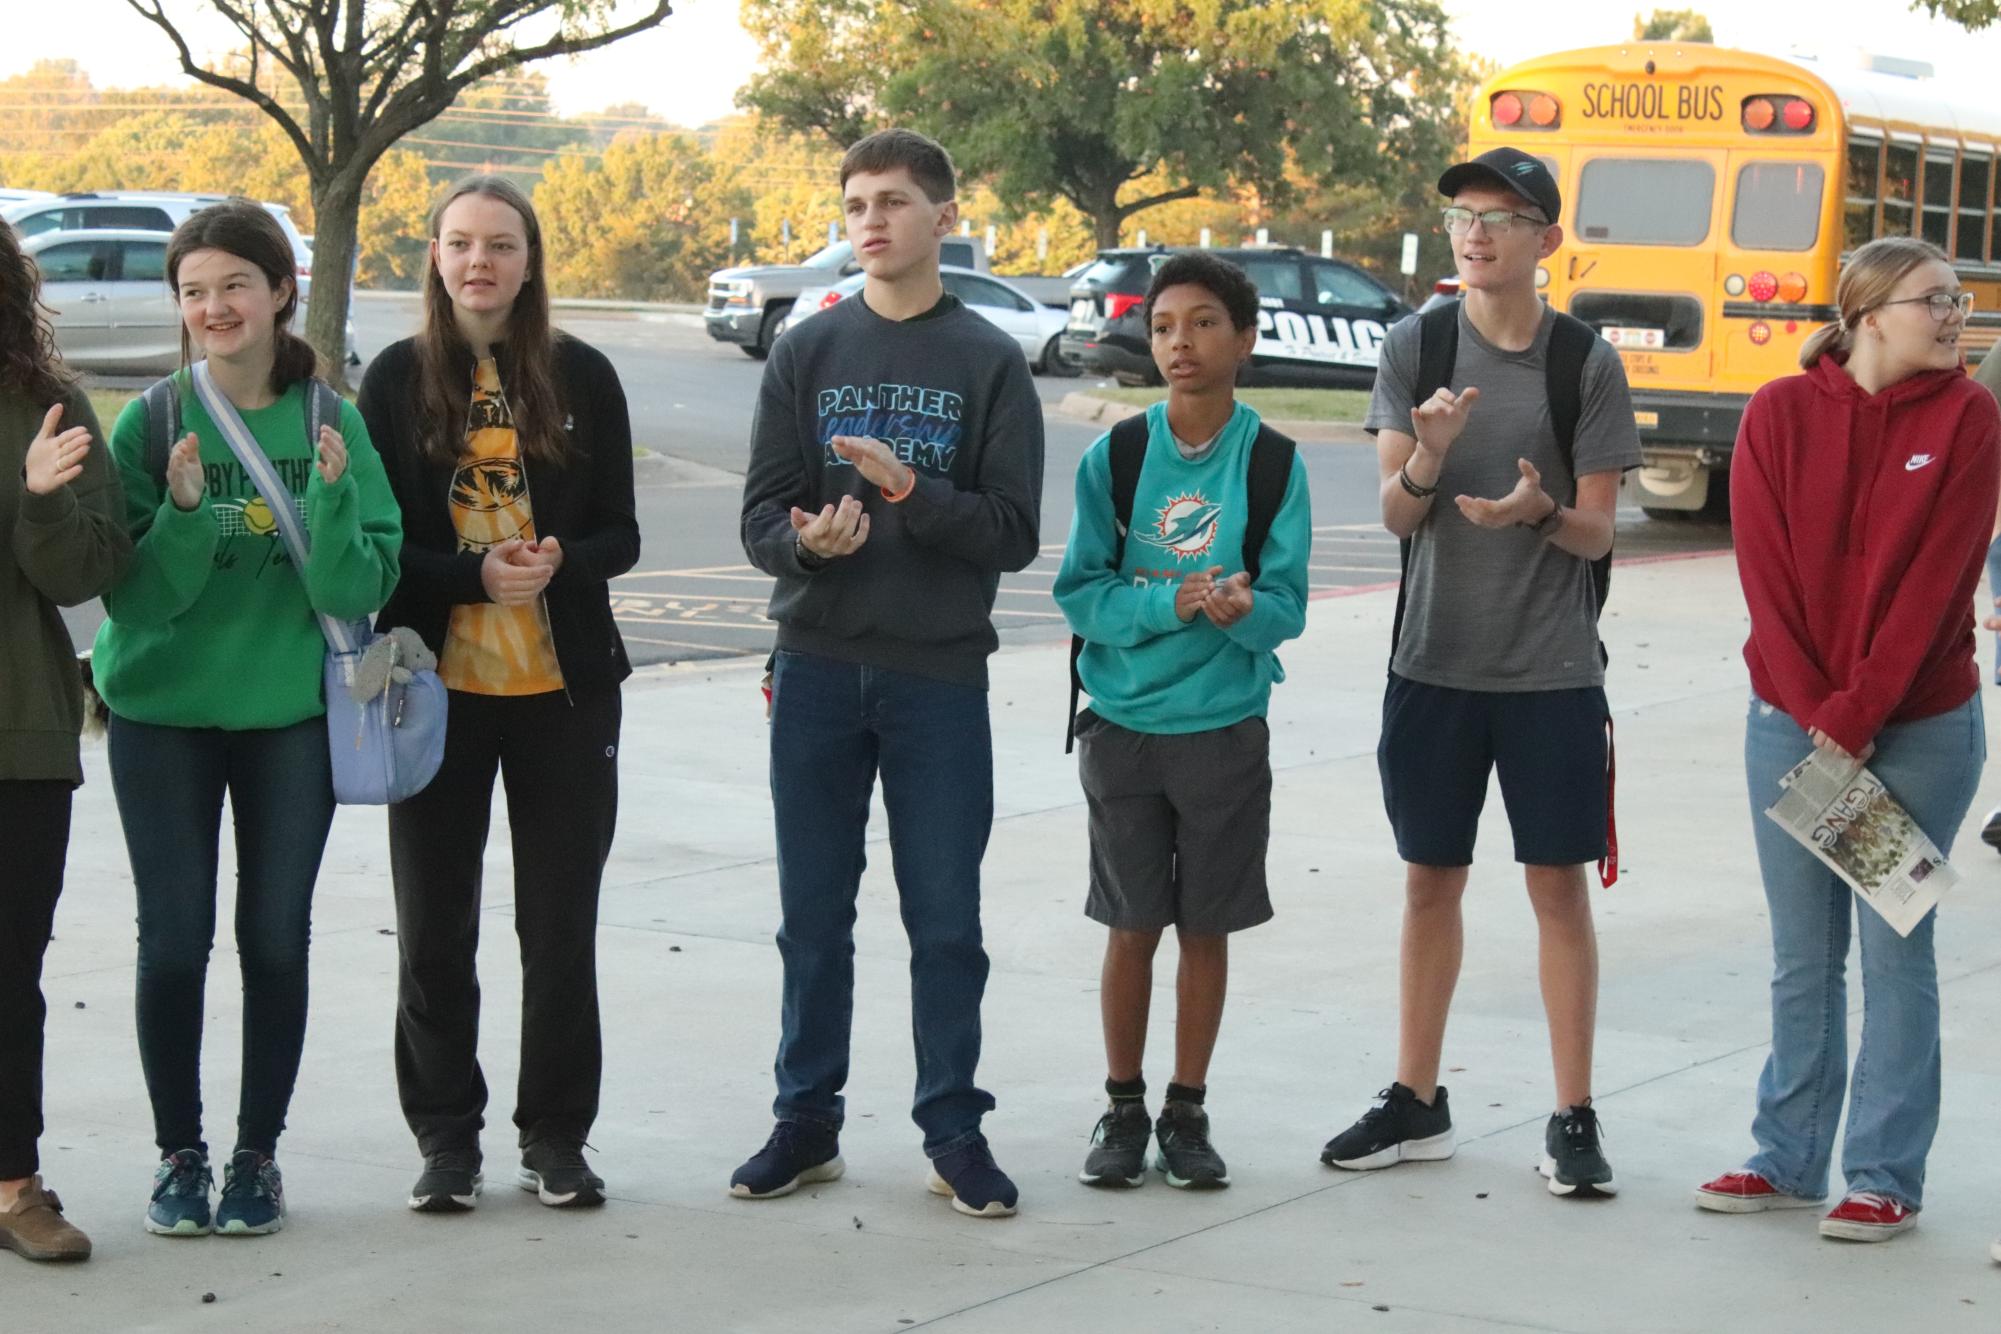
36 1228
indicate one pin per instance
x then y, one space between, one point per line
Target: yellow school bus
1709 197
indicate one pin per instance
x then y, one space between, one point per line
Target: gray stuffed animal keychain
391 659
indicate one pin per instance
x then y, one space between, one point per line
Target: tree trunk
336 218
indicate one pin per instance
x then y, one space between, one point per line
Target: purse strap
340 635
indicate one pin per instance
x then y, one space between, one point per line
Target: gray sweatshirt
951 394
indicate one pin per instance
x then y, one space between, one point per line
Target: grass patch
108 403
1347 406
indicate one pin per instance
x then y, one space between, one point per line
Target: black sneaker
1397 1129
1187 1158
1571 1158
1118 1147
554 1168
974 1181
1990 832
798 1152
450 1184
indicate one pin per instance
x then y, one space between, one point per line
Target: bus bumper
1684 440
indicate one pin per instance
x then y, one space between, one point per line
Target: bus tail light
1778 113
1792 288
1761 334
1763 286
1734 285
1523 109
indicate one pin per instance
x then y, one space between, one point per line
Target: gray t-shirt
1503 609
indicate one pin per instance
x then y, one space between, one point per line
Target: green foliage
643 221
1672 25
1972 15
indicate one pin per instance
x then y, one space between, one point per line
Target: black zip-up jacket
586 505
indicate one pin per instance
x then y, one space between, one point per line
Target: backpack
1267 475
1570 343
163 420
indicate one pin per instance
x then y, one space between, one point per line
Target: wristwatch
1549 522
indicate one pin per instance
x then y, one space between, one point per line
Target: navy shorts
1439 744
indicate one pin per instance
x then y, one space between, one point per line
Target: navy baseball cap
1512 170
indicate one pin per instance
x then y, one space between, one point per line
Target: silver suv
152 211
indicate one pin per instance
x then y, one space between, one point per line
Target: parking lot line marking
733 649
695 569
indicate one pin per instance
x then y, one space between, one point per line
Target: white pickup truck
747 305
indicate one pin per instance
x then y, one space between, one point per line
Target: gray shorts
1179 825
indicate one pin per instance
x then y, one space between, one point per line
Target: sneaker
1863 1215
35 1229
797 1154
1745 1192
1571 1158
450 1184
253 1196
974 1181
180 1196
1187 1158
1118 1147
554 1168
1990 831
1397 1129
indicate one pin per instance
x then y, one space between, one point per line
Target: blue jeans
170 782
1931 766
833 726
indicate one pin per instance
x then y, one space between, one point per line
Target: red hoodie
1861 521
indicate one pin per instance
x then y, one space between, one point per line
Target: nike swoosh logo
1916 461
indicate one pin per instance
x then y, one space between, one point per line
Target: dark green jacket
55 551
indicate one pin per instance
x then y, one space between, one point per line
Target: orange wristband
899 497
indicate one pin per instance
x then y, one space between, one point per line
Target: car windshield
832 257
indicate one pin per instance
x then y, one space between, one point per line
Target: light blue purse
387 745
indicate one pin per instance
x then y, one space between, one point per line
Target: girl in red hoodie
1862 495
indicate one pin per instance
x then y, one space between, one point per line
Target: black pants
558 761
35 815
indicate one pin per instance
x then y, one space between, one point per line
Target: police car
1320 322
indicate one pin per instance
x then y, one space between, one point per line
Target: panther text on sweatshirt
951 394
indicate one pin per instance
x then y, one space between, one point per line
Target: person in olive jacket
509 449
62 542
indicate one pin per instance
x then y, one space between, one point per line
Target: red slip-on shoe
1745 1192
1867 1216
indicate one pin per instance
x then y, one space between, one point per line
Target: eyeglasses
1497 221
1940 304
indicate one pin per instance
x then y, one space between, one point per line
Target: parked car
1320 322
749 306
1036 327
22 196
108 289
150 210
1444 290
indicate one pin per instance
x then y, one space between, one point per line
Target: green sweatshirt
213 627
57 550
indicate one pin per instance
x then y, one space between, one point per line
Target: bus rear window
1645 201
1778 206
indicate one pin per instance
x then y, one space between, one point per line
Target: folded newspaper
1844 815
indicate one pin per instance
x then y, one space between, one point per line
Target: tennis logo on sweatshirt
1186 526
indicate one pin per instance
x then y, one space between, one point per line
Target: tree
394 238
1672 25
648 219
1083 100
368 73
1973 15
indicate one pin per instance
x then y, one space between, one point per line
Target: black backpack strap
163 426
1437 354
1570 344
1126 452
1270 474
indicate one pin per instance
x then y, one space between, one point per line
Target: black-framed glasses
1940 304
1497 221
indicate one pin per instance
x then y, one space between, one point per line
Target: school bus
1709 198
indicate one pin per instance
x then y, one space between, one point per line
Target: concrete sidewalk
690 982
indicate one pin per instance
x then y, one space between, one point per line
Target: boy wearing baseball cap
1502 480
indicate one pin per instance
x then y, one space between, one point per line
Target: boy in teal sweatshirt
1179 660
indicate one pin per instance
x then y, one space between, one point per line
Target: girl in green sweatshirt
210 662
61 543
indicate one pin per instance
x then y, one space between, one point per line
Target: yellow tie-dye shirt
491 649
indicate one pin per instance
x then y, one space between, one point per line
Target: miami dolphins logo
1186 527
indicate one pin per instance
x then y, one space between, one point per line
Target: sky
689 68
